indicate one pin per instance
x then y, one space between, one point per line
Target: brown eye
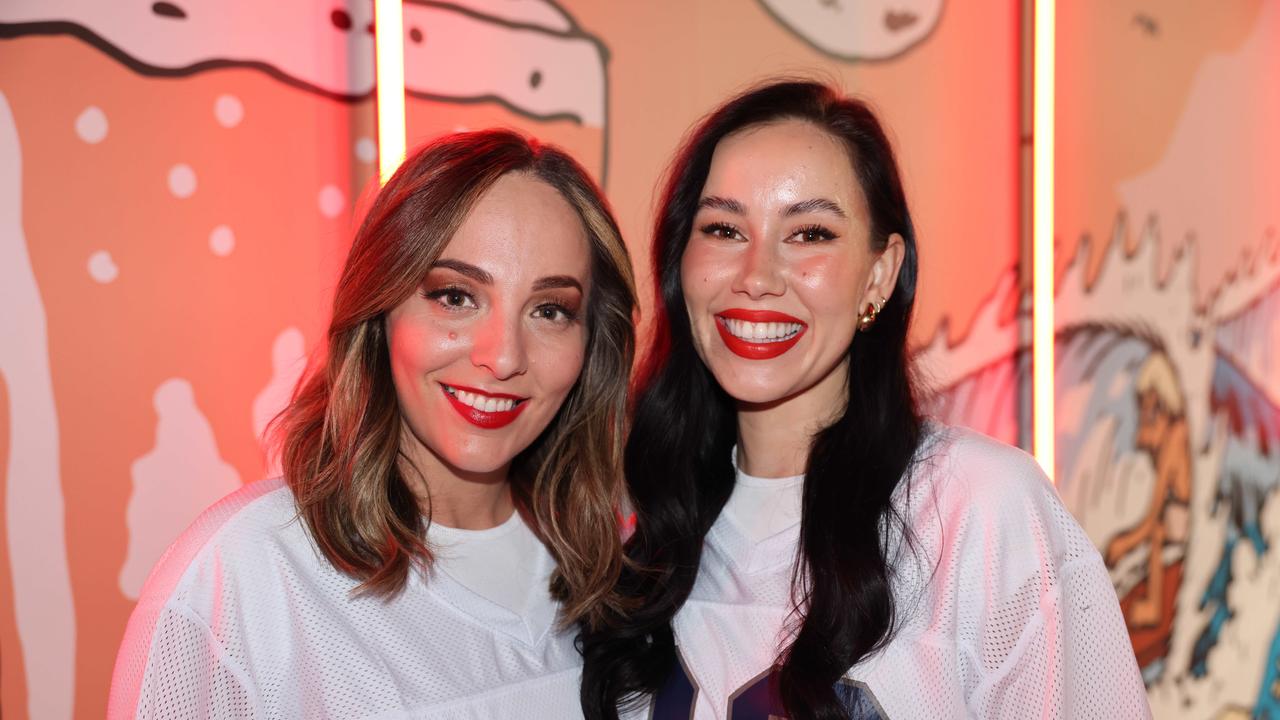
452 298
554 313
814 234
721 231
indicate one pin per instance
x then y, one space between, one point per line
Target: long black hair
678 457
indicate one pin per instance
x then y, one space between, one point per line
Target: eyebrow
466 270
814 205
715 202
551 282
556 281
729 205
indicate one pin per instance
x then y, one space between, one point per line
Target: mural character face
858 29
484 354
1153 421
779 264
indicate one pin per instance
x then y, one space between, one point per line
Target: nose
499 346
759 274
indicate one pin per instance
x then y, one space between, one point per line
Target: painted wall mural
1168 328
865 30
1169 457
174 215
178 183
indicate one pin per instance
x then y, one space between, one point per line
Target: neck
455 497
774 438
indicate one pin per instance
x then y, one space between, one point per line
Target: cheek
417 345
829 284
703 272
558 360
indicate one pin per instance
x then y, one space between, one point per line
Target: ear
884 272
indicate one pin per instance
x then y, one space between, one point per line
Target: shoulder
203 570
966 461
962 467
993 543
235 551
992 501
235 527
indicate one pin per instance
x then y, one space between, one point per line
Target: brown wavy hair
340 436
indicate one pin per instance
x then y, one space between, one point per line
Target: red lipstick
757 349
480 418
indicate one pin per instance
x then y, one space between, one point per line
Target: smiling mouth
761 332
758 334
483 409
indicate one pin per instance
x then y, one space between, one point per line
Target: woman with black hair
806 546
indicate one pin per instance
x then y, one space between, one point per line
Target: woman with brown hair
447 513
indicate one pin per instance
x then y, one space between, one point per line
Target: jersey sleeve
1039 624
168 653
186 675
1072 659
1100 674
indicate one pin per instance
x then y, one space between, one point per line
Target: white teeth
761 332
483 403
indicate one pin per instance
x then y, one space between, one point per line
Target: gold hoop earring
868 317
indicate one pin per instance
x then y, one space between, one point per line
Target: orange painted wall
186 190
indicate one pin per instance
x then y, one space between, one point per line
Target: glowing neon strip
1042 239
388 22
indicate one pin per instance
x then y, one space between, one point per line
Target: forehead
783 162
522 228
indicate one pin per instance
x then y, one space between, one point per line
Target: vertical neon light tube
1042 238
388 21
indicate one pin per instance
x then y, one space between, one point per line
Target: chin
480 463
755 390
480 456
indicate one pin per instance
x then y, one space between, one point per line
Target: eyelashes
722 231
814 233
556 312
451 297
806 234
458 298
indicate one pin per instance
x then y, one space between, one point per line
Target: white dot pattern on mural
91 125
331 201
228 110
182 180
222 241
366 150
102 267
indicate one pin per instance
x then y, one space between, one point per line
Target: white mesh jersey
1005 607
244 618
